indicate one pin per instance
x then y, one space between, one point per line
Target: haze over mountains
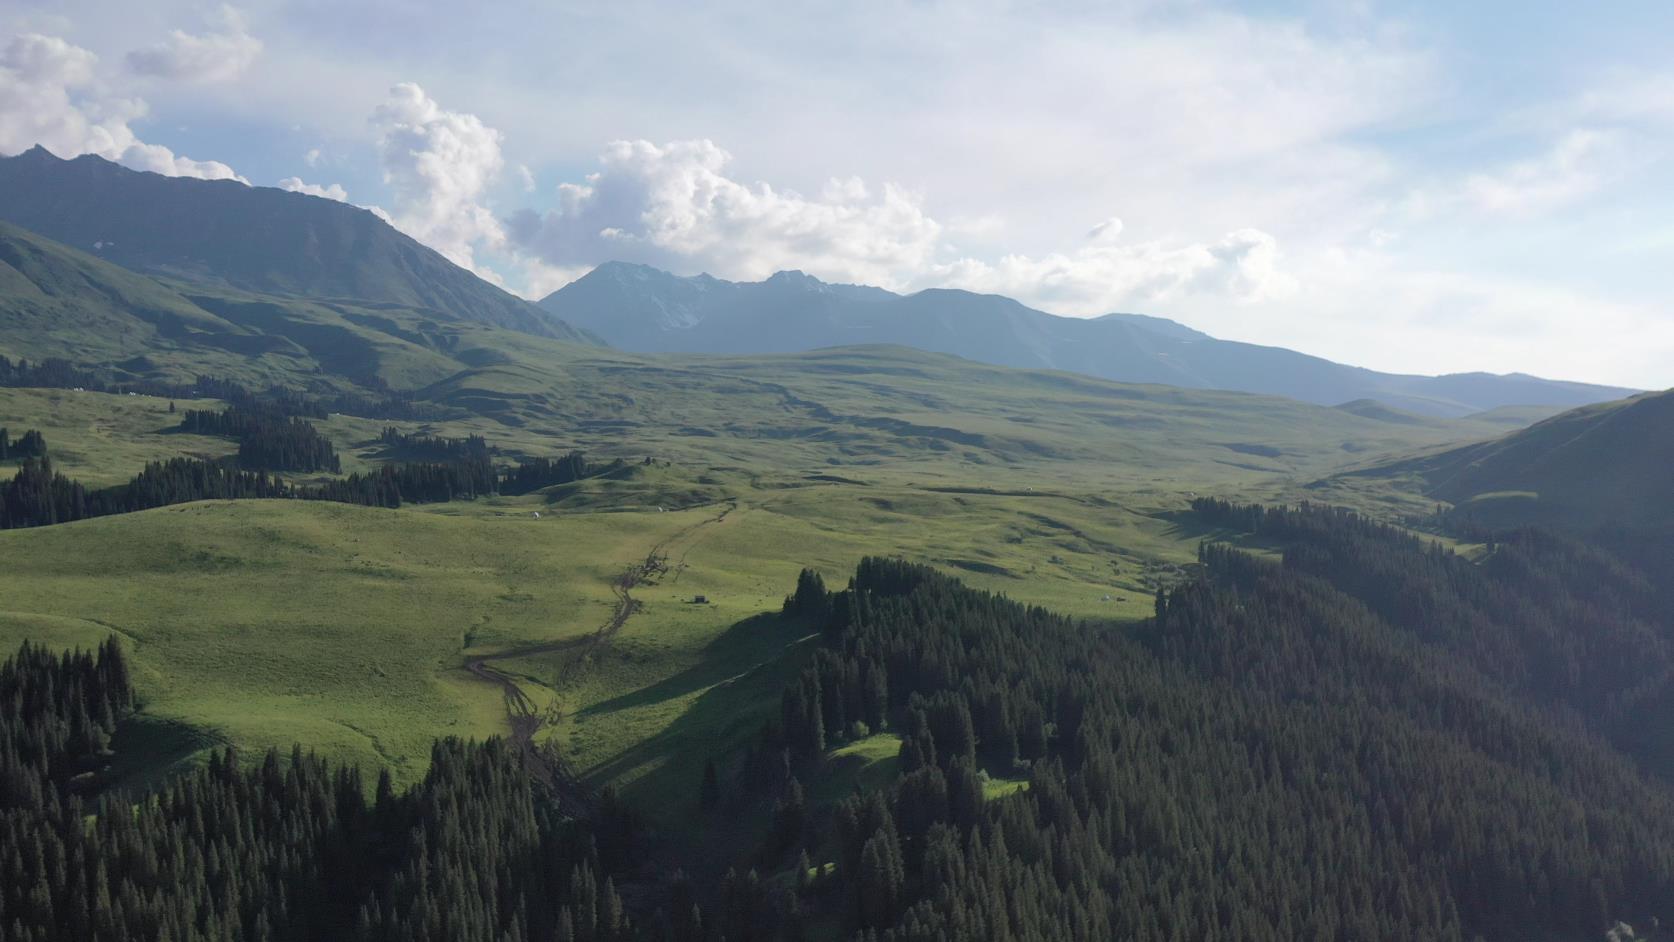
261 239
639 308
226 261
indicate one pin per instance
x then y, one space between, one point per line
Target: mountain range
224 234
643 309
145 263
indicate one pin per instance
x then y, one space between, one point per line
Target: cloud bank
675 206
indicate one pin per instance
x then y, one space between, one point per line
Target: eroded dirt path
526 720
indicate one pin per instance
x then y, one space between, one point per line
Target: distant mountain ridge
644 309
260 239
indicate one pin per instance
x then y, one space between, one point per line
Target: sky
1417 187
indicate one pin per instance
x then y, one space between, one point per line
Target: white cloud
312 157
439 165
50 95
220 55
1576 167
1108 275
334 191
673 205
1389 311
526 178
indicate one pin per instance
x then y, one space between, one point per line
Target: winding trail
525 720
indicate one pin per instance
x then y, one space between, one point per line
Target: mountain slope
56 301
643 309
922 413
1603 465
251 238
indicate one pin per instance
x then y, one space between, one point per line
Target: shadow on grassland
150 750
741 676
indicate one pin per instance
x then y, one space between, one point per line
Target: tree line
269 437
38 495
281 849
1314 747
434 447
31 444
1360 741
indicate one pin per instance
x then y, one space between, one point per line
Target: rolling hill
1603 465
60 302
913 412
639 308
224 234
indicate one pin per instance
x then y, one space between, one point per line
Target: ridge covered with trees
37 495
1353 743
278 850
1368 737
269 437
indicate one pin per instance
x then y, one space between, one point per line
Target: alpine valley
345 595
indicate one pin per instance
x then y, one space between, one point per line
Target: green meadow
261 623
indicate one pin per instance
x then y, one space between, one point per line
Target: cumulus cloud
219 55
439 165
312 157
50 95
334 191
674 205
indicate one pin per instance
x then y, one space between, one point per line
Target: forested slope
1365 738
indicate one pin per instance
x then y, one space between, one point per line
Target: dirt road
525 720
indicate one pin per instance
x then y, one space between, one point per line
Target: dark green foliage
57 713
38 496
269 437
391 485
282 850
811 600
30 445
1370 739
1305 750
536 473
434 448
709 795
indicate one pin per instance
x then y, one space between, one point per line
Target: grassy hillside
1605 465
907 416
250 239
346 628
102 439
56 301
350 628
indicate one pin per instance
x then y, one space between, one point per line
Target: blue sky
1416 187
